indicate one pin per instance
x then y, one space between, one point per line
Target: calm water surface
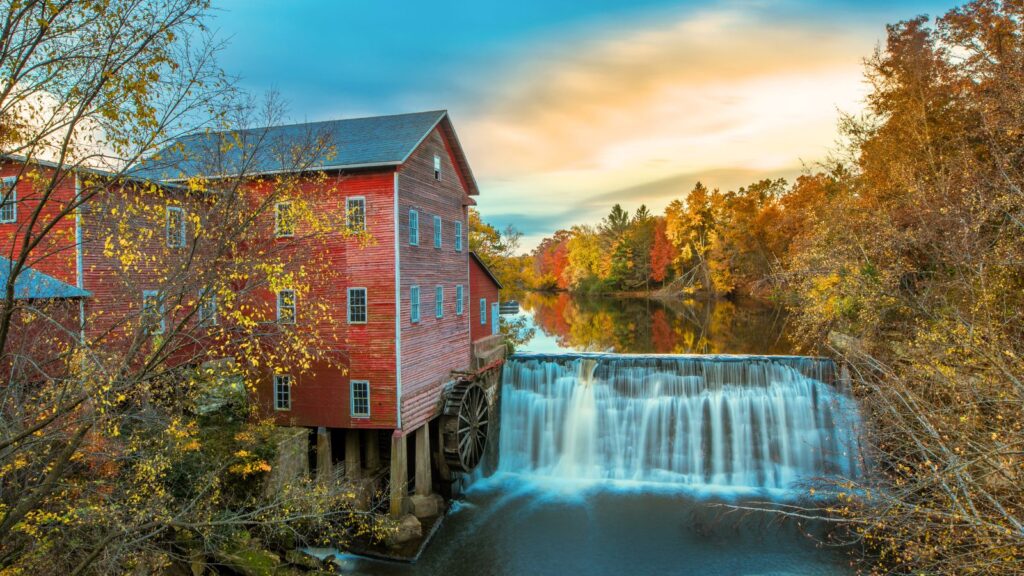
516 524
639 326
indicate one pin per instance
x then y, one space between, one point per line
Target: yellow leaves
250 467
19 462
196 184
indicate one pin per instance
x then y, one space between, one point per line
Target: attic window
437 167
284 220
356 213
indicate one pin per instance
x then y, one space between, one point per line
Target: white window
458 236
153 312
282 392
207 311
8 200
414 228
459 297
284 220
357 305
286 306
355 209
414 303
439 301
483 310
360 400
437 231
437 167
175 226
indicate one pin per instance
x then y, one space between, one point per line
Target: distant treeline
711 243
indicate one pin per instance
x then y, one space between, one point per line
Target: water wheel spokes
464 427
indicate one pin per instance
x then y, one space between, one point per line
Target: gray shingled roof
334 144
32 283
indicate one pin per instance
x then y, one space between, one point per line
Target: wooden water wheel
464 426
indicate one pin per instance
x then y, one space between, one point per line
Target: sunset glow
564 114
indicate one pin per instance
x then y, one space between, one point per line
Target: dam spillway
755 422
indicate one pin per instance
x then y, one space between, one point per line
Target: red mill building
416 333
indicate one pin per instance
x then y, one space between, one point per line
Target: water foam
706 423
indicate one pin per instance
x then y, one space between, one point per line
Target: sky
565 108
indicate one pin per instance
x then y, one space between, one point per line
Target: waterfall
724 421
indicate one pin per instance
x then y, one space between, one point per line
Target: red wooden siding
55 255
432 348
481 286
320 397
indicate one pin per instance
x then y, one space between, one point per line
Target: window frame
460 296
286 381
366 305
414 230
352 399
458 235
208 303
437 167
160 309
439 301
414 304
294 306
168 232
278 233
9 199
483 311
438 231
348 213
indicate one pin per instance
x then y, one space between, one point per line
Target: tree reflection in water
641 325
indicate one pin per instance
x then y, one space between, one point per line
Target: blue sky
565 108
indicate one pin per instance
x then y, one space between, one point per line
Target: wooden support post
423 481
353 463
372 449
399 475
324 465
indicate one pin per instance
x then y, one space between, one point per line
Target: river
526 519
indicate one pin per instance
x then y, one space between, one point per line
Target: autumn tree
101 412
910 270
551 258
499 251
663 252
744 253
586 260
693 231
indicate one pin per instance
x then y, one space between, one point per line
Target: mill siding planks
434 347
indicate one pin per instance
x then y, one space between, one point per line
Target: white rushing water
717 421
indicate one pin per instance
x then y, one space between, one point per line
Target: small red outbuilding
484 290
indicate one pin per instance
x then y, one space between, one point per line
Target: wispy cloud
639 112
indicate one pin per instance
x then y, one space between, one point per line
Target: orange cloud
715 91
